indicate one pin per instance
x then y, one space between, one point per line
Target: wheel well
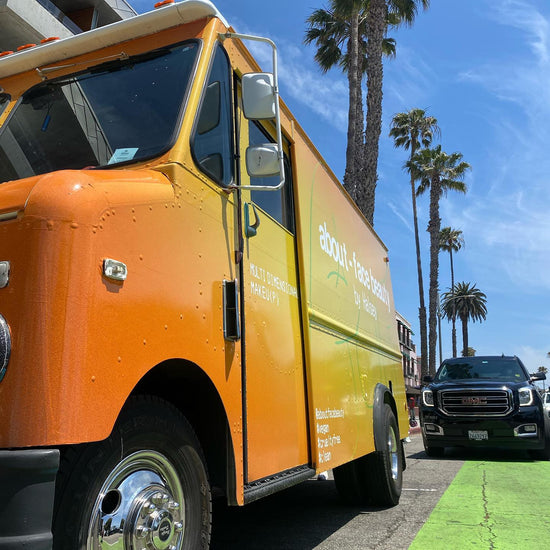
383 395
187 387
388 398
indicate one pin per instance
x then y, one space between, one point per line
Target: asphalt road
311 516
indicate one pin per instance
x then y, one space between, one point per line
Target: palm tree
451 240
438 172
377 26
339 33
334 32
411 130
467 302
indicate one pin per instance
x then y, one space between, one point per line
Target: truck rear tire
384 467
145 486
377 478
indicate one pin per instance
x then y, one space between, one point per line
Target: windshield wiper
127 61
45 71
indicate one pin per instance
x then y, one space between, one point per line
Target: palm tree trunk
360 126
422 307
376 28
453 318
355 126
464 336
434 226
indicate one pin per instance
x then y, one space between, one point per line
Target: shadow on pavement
492 454
299 518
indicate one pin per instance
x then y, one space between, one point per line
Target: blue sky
482 68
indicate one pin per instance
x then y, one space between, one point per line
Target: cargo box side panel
349 314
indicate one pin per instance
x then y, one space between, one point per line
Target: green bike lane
496 501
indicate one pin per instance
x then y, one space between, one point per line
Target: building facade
411 365
30 21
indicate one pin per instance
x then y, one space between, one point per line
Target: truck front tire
145 486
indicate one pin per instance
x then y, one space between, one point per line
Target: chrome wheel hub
139 507
156 523
393 450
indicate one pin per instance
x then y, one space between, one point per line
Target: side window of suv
212 140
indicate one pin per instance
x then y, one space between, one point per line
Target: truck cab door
275 394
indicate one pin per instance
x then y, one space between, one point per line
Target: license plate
478 435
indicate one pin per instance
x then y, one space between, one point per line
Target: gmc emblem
474 401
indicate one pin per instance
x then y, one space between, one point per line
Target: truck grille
476 402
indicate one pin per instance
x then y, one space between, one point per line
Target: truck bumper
27 488
512 432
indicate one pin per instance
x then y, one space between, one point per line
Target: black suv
486 401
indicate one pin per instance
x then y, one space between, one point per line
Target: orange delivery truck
189 300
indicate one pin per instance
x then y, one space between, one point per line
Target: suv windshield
119 111
493 368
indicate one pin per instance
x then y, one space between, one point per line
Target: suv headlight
525 397
5 346
428 398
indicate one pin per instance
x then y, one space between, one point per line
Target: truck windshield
489 368
120 111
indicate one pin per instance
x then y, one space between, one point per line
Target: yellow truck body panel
296 387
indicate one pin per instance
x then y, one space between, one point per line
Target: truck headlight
428 398
5 346
525 397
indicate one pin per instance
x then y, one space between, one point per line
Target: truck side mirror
427 379
263 160
258 96
538 376
260 100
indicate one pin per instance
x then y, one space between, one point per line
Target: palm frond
436 163
413 128
407 10
389 47
466 302
450 239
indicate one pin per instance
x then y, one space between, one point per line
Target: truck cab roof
152 22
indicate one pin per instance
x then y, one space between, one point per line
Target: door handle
250 229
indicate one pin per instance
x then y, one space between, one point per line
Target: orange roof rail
7 52
50 39
163 3
25 46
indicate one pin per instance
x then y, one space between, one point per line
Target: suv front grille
476 402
